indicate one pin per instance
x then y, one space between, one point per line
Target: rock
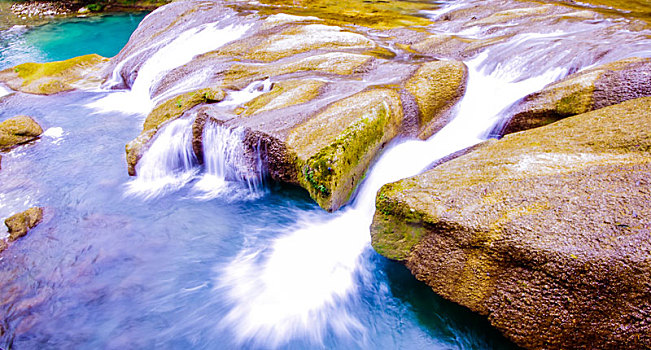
53 77
163 113
19 224
437 86
18 130
334 148
294 40
588 90
546 231
3 245
83 11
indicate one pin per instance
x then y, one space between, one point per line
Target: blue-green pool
63 39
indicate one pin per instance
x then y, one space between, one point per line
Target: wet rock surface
18 130
545 231
19 224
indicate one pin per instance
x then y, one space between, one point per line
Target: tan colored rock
545 231
18 130
437 86
334 148
582 92
53 77
19 224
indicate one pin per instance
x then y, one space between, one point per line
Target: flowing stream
222 258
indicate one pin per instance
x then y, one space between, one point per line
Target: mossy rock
585 91
166 111
283 94
53 77
19 224
437 86
294 40
18 130
545 231
334 148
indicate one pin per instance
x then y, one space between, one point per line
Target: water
62 40
203 266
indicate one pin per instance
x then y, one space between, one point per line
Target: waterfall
187 45
229 170
4 91
168 164
298 285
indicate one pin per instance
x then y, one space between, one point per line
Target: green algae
51 77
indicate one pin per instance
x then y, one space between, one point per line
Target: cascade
190 43
168 164
4 91
228 166
298 286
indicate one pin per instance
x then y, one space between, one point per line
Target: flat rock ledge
547 232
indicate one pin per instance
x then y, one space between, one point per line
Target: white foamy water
4 91
181 50
228 170
297 286
168 164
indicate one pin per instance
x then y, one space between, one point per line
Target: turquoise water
60 40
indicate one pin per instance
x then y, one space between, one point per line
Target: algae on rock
19 224
545 231
18 130
53 77
334 148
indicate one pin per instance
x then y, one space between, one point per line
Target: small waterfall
168 164
4 91
181 50
228 165
299 285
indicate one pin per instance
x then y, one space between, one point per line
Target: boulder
546 231
437 86
19 224
334 148
585 91
18 130
53 77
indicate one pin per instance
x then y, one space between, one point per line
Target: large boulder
53 77
582 92
546 231
19 224
18 130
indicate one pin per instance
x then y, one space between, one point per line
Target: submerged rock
19 224
53 77
546 231
585 91
18 130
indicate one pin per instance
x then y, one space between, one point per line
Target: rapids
215 255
